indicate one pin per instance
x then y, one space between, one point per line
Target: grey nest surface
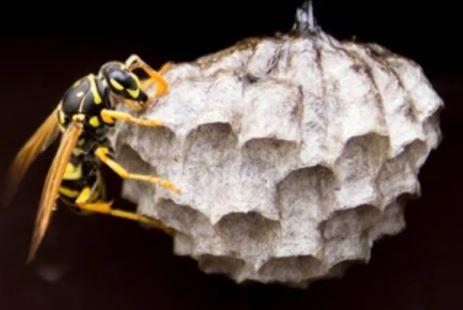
294 153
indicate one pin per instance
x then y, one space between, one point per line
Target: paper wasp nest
294 154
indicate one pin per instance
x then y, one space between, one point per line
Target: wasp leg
165 67
105 208
102 154
134 62
108 116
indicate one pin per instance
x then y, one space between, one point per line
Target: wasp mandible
84 117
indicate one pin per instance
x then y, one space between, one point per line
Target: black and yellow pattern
84 116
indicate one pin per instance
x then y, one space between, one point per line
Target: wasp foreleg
165 67
162 87
102 154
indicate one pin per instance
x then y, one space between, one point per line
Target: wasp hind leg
104 207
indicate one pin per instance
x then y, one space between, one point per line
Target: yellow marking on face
134 93
80 94
96 96
116 84
94 121
72 172
136 79
70 193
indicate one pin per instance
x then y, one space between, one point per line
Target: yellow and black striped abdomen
81 171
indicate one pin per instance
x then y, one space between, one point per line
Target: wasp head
124 83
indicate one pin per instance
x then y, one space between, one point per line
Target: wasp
83 118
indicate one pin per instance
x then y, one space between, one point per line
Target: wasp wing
52 184
39 141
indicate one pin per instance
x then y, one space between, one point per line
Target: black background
103 263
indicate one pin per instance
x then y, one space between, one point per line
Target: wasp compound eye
120 80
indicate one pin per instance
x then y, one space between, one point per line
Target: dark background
103 263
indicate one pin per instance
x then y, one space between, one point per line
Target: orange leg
102 154
162 87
